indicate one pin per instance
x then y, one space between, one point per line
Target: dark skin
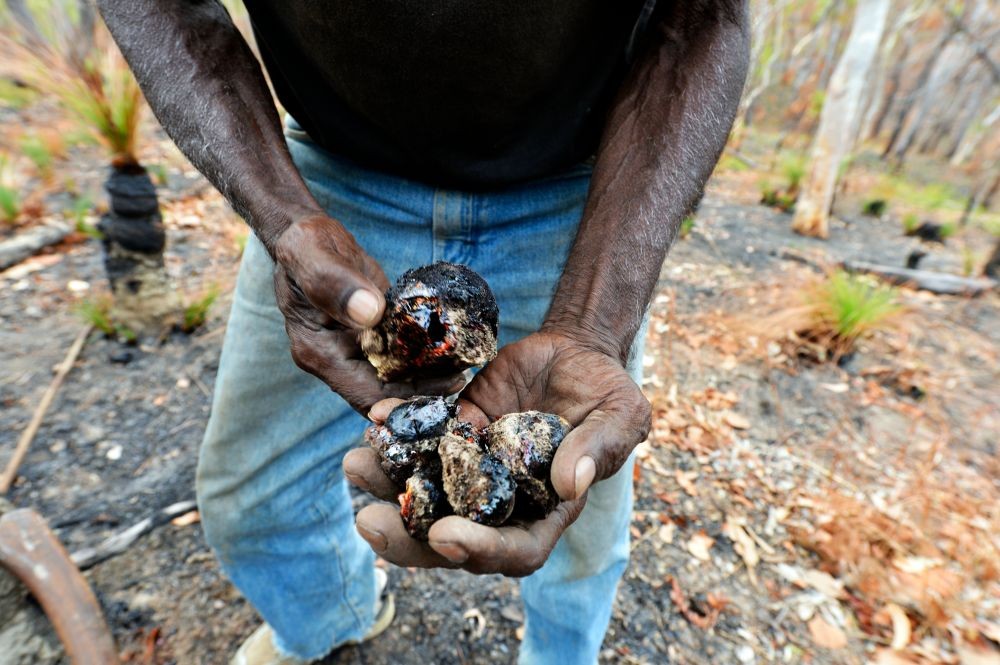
662 139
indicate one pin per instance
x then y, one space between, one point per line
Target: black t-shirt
470 93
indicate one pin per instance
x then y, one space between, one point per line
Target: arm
207 90
662 140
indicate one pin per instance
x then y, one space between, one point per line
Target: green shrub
241 243
82 206
35 149
196 313
874 207
845 307
910 223
10 205
687 225
793 168
98 314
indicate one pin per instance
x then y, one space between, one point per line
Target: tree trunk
945 63
966 118
925 72
968 144
838 121
888 66
145 301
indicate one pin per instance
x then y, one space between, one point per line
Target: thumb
596 449
326 265
340 291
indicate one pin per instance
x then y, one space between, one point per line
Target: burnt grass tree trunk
992 267
145 301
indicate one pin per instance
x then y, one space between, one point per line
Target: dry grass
56 51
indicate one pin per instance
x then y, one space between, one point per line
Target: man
553 146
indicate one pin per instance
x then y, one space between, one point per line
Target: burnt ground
782 505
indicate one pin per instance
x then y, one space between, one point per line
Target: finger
471 413
381 409
382 527
596 448
514 551
444 385
363 469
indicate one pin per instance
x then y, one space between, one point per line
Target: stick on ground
7 479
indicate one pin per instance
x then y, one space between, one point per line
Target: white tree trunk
839 119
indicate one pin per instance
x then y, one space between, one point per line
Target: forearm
207 90
662 139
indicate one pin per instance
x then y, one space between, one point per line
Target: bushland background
821 482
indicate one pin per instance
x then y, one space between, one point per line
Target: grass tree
65 51
839 118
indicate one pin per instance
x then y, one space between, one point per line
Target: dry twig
7 479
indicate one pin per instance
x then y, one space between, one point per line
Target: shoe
259 648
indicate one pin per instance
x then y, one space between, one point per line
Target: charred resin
410 435
448 466
439 320
479 487
424 501
420 418
526 443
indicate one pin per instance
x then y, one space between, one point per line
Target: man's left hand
545 371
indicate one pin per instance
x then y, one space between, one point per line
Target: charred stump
992 267
134 239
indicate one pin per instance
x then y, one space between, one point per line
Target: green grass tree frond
60 48
846 307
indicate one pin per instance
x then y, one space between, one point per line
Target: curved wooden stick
30 551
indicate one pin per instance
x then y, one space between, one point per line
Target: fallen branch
121 541
30 551
26 243
7 479
935 282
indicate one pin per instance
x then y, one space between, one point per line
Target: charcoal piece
424 501
399 458
478 486
526 442
439 320
420 418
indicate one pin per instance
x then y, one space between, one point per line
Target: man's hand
328 288
545 372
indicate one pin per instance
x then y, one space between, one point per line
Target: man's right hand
328 289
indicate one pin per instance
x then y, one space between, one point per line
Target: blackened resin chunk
420 418
424 501
409 436
439 320
478 486
534 499
526 442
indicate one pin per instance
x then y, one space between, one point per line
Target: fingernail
374 538
585 472
451 551
362 307
358 481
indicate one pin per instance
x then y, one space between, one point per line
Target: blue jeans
274 502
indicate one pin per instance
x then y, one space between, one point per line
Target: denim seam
345 595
